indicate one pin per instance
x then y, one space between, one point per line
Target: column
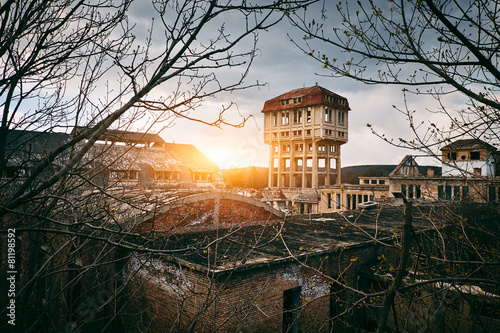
280 170
314 176
271 164
292 169
339 178
304 164
327 165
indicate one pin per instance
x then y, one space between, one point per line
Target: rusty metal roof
310 96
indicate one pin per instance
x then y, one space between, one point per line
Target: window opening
291 304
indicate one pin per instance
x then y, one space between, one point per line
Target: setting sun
224 157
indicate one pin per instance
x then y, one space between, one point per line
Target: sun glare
225 158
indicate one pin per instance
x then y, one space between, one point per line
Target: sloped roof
131 158
40 141
173 157
22 146
469 144
191 157
310 96
407 167
130 137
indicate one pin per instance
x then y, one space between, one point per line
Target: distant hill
350 174
257 177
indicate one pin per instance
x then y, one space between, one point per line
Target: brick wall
198 216
247 301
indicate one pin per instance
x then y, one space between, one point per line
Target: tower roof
308 97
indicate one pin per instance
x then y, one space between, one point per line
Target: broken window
285 117
308 116
447 192
329 200
452 155
341 117
291 304
456 192
492 195
309 162
321 164
337 197
333 164
275 119
440 192
366 181
299 164
474 155
297 116
328 114
465 192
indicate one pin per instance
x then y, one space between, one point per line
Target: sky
284 67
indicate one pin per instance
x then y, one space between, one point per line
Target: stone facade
305 129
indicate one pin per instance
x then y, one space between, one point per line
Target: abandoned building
305 129
120 158
424 185
470 157
251 278
241 266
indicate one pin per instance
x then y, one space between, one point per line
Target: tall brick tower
305 129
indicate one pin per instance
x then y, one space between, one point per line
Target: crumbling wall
199 215
250 298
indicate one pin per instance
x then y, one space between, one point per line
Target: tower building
305 129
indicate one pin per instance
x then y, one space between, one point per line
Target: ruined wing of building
118 158
468 172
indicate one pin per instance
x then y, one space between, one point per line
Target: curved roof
310 96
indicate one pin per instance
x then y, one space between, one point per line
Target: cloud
284 67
